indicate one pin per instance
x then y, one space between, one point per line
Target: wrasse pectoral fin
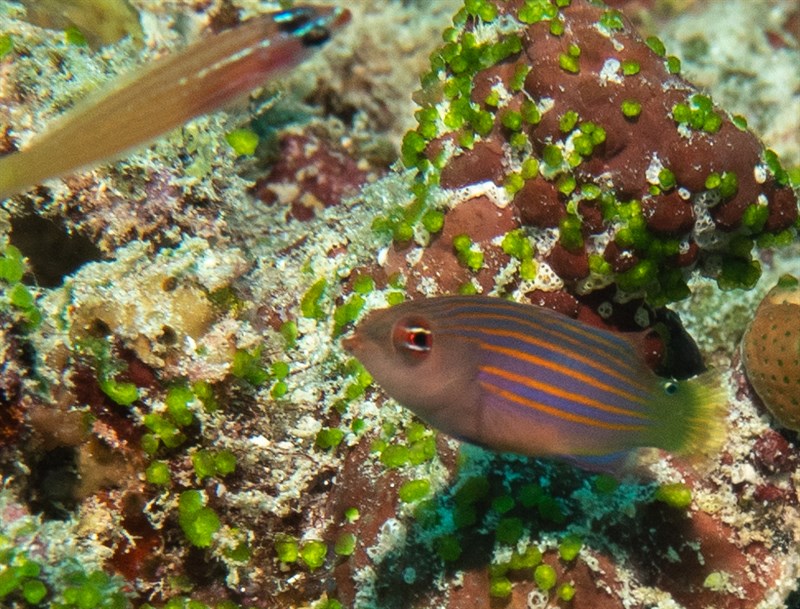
614 463
203 77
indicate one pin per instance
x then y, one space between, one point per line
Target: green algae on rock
640 178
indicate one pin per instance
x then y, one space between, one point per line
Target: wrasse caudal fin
699 422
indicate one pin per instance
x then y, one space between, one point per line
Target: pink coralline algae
312 172
585 137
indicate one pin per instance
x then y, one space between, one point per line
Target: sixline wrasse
524 379
201 78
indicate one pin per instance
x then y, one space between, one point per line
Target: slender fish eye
292 20
670 387
412 337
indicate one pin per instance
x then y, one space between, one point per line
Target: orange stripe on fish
622 363
556 412
555 367
555 391
556 331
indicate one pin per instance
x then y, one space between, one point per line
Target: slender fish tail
17 172
197 80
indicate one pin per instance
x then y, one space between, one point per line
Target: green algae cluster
397 450
198 521
676 495
512 514
312 553
6 45
26 582
20 577
243 141
14 295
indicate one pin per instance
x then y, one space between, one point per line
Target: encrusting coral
551 129
178 413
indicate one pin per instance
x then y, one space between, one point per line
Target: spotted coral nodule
771 352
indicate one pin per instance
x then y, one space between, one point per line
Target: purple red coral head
619 170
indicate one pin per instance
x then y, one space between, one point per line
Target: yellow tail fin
708 410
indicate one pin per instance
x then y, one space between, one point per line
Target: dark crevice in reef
682 359
333 105
53 252
53 484
793 602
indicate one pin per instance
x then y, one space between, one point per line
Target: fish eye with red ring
413 338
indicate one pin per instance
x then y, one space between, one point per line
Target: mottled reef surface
179 425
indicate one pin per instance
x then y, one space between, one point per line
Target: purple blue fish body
524 379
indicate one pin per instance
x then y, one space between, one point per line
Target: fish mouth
351 343
341 16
